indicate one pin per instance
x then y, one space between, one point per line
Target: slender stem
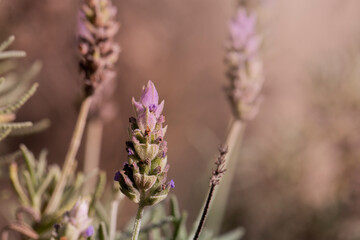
70 156
93 142
137 224
221 193
113 217
205 212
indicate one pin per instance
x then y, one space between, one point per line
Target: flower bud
75 223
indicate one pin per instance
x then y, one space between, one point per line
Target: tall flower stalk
217 174
245 74
143 178
97 28
98 53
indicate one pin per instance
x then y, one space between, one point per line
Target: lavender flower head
76 222
143 178
245 69
98 51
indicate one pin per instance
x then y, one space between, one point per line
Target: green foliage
15 91
34 182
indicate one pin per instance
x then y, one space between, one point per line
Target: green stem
220 194
137 224
70 156
113 216
93 142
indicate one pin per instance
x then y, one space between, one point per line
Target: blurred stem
113 217
94 133
137 224
221 193
70 156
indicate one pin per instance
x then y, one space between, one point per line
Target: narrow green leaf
41 167
35 128
14 178
4 45
46 183
17 125
4 133
15 106
29 161
29 185
12 54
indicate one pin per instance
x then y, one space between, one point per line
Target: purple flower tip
56 226
152 108
89 231
172 183
117 176
150 95
130 151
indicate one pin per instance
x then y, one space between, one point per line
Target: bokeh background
298 171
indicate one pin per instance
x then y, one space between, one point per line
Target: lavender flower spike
98 50
143 178
245 69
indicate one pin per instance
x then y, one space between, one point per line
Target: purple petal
150 95
152 108
159 109
172 183
89 231
139 108
117 176
130 151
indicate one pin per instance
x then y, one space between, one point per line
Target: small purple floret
117 176
56 226
89 231
172 183
152 108
130 151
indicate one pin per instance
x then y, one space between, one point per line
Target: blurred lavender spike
75 223
98 51
245 70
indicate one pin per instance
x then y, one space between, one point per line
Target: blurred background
298 171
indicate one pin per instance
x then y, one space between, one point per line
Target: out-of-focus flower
245 69
97 27
143 178
76 222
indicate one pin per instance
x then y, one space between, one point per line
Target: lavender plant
54 198
245 74
97 28
143 178
99 52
